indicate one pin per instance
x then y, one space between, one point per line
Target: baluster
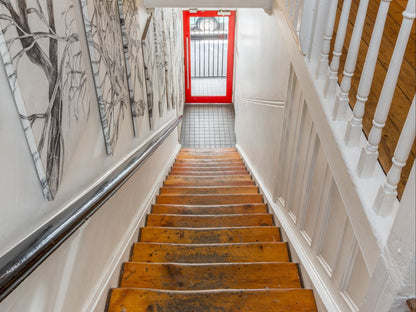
388 192
296 16
332 78
327 37
354 128
369 154
341 102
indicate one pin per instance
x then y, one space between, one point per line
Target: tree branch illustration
63 73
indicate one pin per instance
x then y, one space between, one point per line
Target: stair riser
211 210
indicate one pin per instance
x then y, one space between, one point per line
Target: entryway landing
208 126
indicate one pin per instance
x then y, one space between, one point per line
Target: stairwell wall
297 156
77 275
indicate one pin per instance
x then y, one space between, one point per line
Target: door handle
187 63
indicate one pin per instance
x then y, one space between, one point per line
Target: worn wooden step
210 253
208 168
209 173
210 190
205 183
208 157
229 154
209 199
208 209
204 221
270 300
209 178
221 162
213 276
250 234
207 165
190 149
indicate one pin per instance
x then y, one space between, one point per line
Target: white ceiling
217 4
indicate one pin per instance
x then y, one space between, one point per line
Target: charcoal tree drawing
41 53
103 29
130 27
149 64
159 78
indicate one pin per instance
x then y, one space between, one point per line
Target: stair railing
332 76
352 157
341 101
23 259
369 154
388 192
354 128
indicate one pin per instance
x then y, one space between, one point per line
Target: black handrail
23 259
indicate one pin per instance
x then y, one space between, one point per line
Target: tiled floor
208 126
209 86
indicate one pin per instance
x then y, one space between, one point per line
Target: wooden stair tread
209 244
210 190
201 221
208 209
209 173
271 300
208 167
174 276
210 253
243 177
209 199
206 183
176 235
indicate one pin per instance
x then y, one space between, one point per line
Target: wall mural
40 48
177 59
159 77
41 53
148 51
103 29
130 27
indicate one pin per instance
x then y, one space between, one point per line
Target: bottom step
147 300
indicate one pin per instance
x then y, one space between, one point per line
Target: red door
209 56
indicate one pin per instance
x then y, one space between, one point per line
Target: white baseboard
112 271
328 294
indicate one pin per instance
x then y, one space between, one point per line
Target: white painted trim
279 104
329 295
113 267
218 4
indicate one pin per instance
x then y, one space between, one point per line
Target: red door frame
228 98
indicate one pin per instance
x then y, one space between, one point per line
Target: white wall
78 276
260 89
352 258
23 208
73 278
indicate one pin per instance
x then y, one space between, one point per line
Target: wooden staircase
210 245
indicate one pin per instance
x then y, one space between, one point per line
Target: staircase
210 245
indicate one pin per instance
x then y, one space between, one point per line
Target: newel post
369 154
326 44
341 102
354 128
332 77
388 192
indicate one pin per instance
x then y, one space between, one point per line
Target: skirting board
329 295
112 271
